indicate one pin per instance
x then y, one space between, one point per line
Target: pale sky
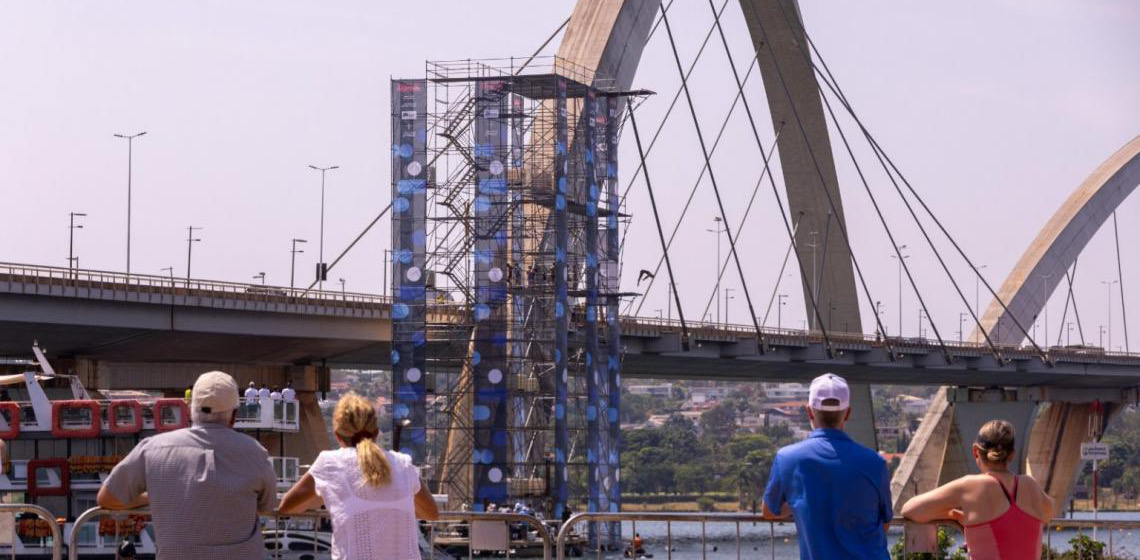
996 111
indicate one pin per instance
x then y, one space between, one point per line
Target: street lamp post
727 297
321 250
293 260
71 259
779 310
1068 333
343 294
1045 293
961 320
1108 291
1100 329
130 164
814 280
716 269
169 269
190 241
977 293
878 323
921 315
260 276
900 259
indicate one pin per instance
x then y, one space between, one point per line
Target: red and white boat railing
86 419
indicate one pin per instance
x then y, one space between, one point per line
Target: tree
719 422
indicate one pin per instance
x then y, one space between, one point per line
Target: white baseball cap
829 386
214 391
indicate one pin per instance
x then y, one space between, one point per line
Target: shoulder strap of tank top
1005 492
1016 479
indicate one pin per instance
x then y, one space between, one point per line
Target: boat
63 440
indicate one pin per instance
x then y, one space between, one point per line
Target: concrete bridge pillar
1051 425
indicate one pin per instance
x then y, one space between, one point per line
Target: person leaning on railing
204 484
373 496
838 489
1002 514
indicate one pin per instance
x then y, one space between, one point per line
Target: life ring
92 430
183 415
64 477
136 410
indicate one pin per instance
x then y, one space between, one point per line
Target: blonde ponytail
373 463
354 422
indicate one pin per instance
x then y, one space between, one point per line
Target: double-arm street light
321 271
900 259
190 241
1108 291
130 138
716 269
293 260
72 260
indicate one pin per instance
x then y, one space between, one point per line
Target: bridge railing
715 329
24 278
288 534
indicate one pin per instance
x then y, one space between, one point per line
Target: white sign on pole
1094 451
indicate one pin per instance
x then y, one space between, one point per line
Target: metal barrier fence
311 539
47 517
279 530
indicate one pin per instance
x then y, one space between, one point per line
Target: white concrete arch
1042 267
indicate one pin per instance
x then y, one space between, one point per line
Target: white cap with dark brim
214 391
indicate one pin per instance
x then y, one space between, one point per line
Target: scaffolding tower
506 266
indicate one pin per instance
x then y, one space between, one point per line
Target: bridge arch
1045 262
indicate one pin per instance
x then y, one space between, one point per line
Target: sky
995 111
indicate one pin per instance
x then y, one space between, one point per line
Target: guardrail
279 529
56 531
172 286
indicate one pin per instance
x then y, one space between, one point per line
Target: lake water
778 541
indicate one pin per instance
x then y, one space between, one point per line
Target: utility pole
900 259
1108 291
190 241
71 259
130 165
1045 290
716 269
977 299
293 260
779 310
321 270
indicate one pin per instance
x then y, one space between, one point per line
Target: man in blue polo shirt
838 490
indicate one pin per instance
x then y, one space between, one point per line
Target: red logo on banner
406 87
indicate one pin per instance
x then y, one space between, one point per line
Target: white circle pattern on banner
414 274
496 167
495 376
415 168
413 375
495 475
495 274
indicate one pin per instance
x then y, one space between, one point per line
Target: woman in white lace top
374 496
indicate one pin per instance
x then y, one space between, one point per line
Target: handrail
42 513
445 516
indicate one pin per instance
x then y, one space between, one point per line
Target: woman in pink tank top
1002 514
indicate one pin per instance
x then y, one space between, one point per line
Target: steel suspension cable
1070 277
739 228
823 185
676 96
890 234
780 276
813 298
829 79
716 190
660 232
1120 280
693 191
